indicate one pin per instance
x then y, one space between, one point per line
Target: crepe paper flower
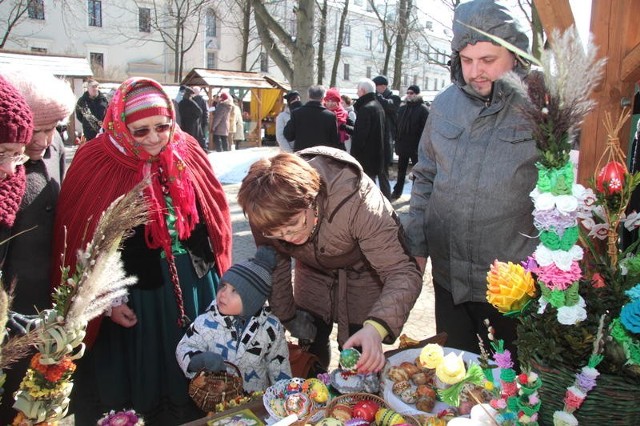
553 220
451 369
121 418
574 398
560 240
562 418
555 278
597 281
498 404
630 317
473 375
633 293
431 355
631 221
555 180
587 377
510 287
561 258
630 345
572 315
630 266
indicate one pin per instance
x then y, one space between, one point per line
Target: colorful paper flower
510 286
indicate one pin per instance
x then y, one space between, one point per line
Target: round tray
410 355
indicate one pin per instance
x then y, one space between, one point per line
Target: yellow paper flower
510 286
451 370
431 355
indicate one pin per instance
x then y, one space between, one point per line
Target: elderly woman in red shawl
178 256
333 102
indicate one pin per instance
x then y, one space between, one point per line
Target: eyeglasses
290 232
144 131
17 159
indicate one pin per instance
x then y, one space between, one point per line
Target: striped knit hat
252 279
145 101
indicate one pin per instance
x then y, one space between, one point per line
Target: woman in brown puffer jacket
351 263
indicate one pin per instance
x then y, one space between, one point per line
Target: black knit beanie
252 279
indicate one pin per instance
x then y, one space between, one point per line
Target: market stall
266 95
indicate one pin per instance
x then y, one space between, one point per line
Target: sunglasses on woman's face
144 131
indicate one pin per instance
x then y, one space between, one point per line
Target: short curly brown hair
276 189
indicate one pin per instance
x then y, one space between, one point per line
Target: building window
381 43
368 39
264 62
42 50
211 24
415 79
144 19
405 79
345 72
95 13
346 41
96 61
368 72
358 2
426 83
211 60
428 25
35 9
417 53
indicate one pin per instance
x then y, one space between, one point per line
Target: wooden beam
554 14
611 23
631 65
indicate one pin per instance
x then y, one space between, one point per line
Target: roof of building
232 79
61 66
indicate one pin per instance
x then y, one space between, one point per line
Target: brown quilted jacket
356 265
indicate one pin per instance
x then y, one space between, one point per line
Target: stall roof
231 79
62 66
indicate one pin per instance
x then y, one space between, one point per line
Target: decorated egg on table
397 374
611 177
349 358
365 410
316 390
298 404
388 417
399 387
431 355
294 386
408 396
277 406
341 412
330 421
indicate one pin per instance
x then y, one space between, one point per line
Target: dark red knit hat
16 119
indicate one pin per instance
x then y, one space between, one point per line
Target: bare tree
339 41
322 38
530 12
405 7
388 30
297 62
17 13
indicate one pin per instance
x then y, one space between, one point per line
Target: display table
255 406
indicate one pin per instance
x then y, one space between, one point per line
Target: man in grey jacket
470 200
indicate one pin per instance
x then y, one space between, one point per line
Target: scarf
112 164
11 192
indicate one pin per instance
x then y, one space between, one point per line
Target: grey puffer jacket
470 199
356 265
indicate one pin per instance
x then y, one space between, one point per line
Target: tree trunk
404 11
322 38
336 59
246 28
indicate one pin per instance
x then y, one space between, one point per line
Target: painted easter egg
610 179
297 403
387 417
316 390
349 358
330 421
365 410
341 412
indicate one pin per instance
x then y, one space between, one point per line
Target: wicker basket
612 402
351 399
207 389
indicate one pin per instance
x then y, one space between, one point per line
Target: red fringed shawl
111 165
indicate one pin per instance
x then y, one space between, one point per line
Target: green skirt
136 368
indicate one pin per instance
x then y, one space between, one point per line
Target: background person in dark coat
191 116
312 124
390 104
411 119
204 119
90 109
367 140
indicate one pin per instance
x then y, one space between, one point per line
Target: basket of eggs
303 397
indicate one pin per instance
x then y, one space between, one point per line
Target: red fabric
111 164
11 191
341 118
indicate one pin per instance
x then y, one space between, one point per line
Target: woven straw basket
207 389
612 402
351 399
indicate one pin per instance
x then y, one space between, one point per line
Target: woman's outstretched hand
372 359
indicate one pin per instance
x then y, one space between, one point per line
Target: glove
209 361
17 323
302 326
